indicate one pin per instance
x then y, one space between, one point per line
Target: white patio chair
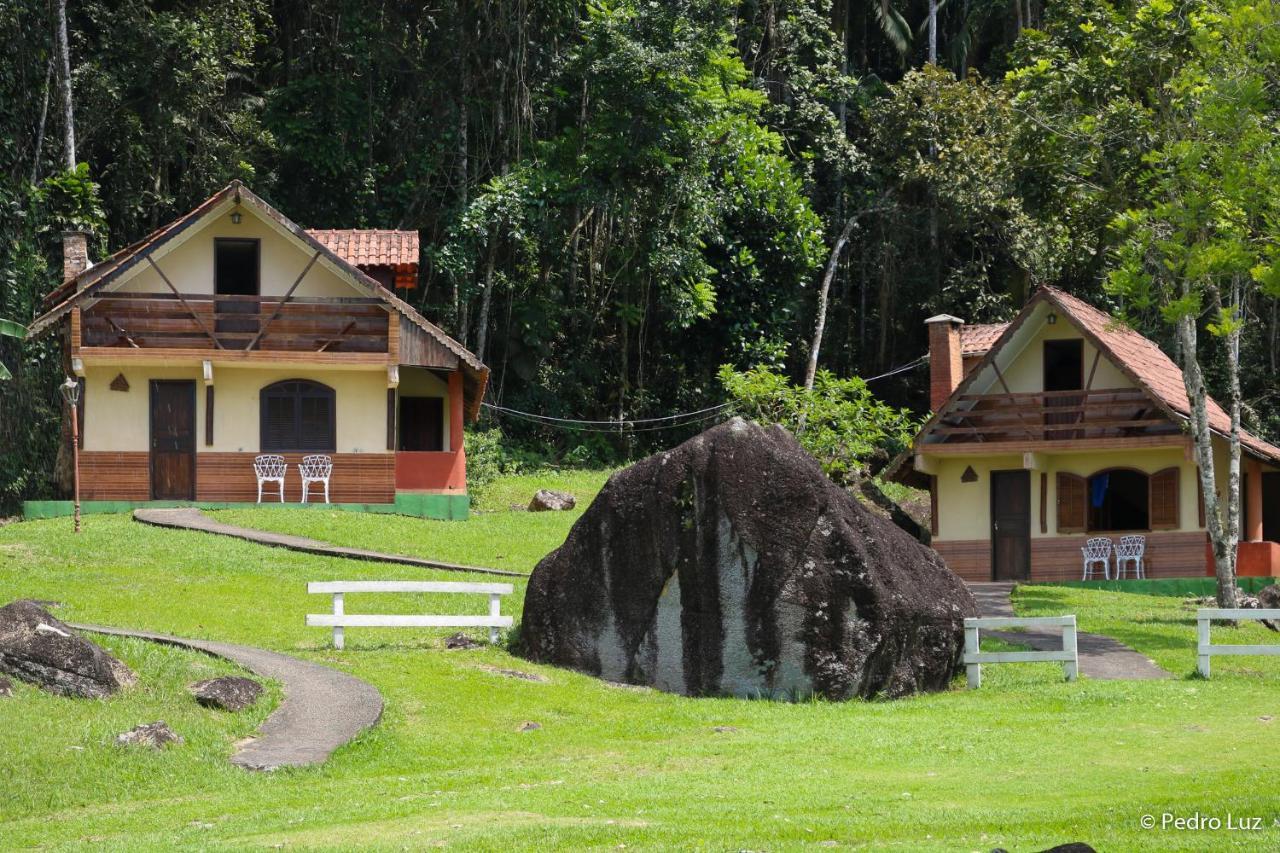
269 468
1131 550
316 469
1097 550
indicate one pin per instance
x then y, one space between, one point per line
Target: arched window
1119 499
297 415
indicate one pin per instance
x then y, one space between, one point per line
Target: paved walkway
322 709
190 518
1100 657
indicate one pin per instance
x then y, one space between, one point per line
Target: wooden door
173 440
1010 525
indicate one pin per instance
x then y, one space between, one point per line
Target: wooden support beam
280 305
185 304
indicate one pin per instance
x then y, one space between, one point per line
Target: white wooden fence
974 658
1205 650
340 619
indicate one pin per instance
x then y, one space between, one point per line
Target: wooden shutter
279 422
1199 499
1072 503
315 423
1044 502
1163 490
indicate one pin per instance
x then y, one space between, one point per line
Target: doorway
421 424
236 276
1010 525
1271 506
173 439
1063 371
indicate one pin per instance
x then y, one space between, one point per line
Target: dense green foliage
448 763
846 428
618 197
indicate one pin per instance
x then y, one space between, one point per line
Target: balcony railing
1054 416
204 321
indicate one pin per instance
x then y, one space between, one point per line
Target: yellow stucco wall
1025 373
189 265
964 509
119 420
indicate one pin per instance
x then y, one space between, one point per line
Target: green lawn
1026 762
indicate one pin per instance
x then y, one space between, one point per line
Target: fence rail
340 619
974 658
1206 650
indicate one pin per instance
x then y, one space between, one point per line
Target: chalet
232 332
1064 425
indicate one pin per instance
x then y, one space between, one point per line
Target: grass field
1024 763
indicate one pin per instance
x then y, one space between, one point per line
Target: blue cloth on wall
1098 489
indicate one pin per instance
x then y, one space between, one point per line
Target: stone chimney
946 365
75 254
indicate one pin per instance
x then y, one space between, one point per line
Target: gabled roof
98 276
1136 356
370 247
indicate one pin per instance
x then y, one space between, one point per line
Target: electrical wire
698 416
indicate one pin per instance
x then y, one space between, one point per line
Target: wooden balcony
1054 416
146 321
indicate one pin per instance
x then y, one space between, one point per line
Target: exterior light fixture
235 218
1052 318
71 393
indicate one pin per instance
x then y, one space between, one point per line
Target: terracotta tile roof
978 338
370 247
1148 365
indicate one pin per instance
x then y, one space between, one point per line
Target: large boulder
38 648
732 565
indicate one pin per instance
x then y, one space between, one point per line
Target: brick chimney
75 254
946 365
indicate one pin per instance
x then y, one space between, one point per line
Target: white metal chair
316 469
1131 550
1097 550
269 468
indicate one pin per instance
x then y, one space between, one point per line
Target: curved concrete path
322 708
1100 657
190 518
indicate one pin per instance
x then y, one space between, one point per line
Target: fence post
337 629
972 670
1202 644
1071 668
495 610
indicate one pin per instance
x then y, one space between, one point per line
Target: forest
626 207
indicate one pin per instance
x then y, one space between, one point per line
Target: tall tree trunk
462 154
486 298
68 119
44 115
933 32
820 323
1223 534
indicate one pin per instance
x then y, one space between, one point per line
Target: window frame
317 390
1088 514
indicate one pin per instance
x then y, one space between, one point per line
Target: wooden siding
112 476
357 477
1057 558
421 349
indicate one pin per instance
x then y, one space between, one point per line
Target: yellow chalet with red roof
233 333
1063 426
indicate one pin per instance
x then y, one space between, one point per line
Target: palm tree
10 329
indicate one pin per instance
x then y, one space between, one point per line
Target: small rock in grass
227 693
461 641
1269 599
549 500
6 687
725 730
1265 718
155 735
515 673
529 726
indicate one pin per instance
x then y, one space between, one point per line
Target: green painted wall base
1175 587
451 507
